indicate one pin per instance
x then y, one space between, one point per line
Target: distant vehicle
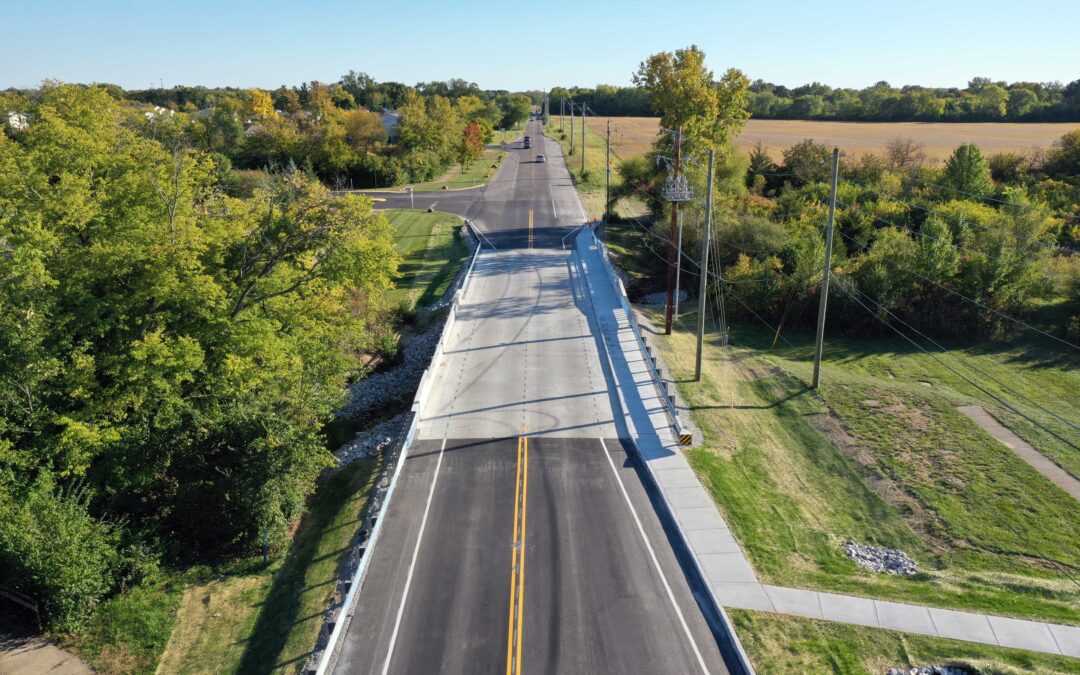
541 159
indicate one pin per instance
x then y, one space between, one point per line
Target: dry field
633 135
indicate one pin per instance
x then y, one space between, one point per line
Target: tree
1064 159
808 161
260 104
515 109
904 154
472 144
364 130
967 172
684 91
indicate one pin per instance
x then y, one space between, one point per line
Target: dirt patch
921 520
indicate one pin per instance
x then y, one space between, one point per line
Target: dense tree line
981 101
337 131
171 353
947 250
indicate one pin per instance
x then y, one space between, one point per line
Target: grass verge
457 178
260 620
128 632
786 644
432 247
590 182
878 457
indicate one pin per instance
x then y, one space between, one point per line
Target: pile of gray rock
931 670
370 441
883 560
397 383
660 299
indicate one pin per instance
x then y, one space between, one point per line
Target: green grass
475 174
432 248
590 183
784 644
128 633
878 457
262 620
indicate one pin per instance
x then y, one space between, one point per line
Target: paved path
24 653
728 573
1038 461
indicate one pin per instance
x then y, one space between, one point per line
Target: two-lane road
520 537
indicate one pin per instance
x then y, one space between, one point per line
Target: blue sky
514 45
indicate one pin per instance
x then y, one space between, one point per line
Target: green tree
709 112
967 172
808 161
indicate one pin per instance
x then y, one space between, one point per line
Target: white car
541 159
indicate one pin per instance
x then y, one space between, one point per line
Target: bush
53 550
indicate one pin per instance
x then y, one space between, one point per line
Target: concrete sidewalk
730 577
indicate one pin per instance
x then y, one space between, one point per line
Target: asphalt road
521 537
501 209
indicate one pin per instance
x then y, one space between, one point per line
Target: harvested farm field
633 135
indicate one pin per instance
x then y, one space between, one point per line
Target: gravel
398 383
370 441
881 560
660 299
931 670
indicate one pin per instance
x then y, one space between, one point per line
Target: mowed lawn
432 248
634 135
881 455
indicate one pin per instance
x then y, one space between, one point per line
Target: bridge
523 534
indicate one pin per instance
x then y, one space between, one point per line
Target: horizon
271 44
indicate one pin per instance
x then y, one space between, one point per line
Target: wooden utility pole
607 178
671 239
828 270
703 288
571 125
583 139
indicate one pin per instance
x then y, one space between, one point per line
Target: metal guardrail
572 233
480 236
624 302
422 391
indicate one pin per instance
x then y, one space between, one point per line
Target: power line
1030 207
961 295
1053 563
984 374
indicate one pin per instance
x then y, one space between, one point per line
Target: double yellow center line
517 568
530 228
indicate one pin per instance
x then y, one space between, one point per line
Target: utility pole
607 178
571 125
583 139
678 267
704 286
674 233
828 265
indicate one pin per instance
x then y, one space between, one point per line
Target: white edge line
412 564
655 561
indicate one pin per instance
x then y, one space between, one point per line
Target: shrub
53 550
